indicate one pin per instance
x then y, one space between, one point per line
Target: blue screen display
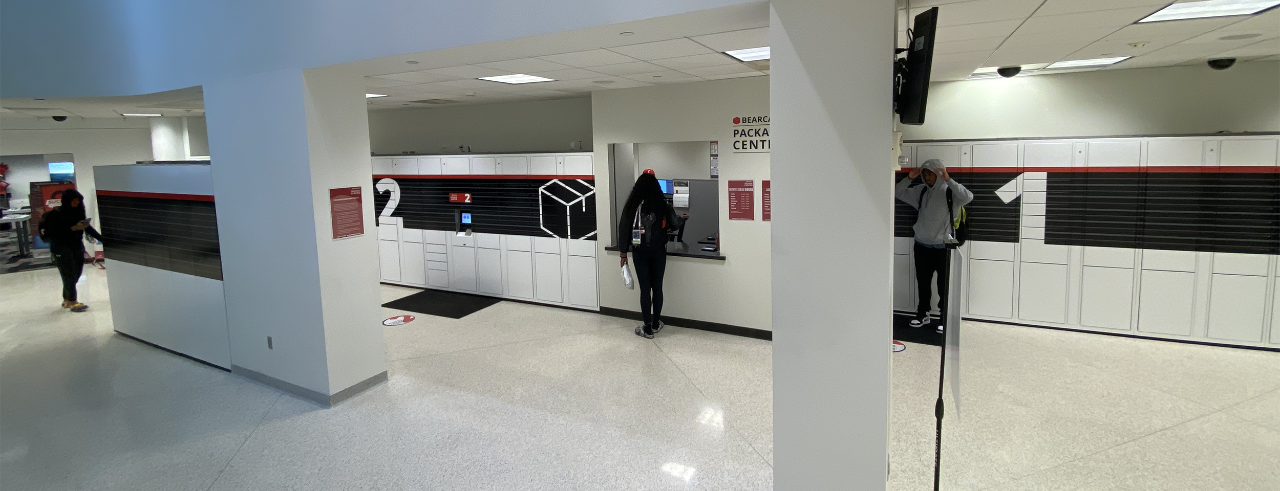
466 219
667 186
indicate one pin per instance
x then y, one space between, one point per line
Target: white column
831 111
168 139
279 141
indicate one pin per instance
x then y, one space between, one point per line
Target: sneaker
898 347
78 307
920 320
644 331
658 326
941 327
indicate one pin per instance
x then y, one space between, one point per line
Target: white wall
24 170
1143 101
735 291
510 127
93 142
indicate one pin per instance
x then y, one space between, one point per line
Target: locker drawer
437 248
463 240
439 257
488 241
435 237
546 245
410 235
586 248
437 265
519 243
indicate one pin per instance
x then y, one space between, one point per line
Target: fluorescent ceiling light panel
1087 63
141 115
518 78
1210 8
374 96
750 54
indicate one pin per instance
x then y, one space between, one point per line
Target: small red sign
742 200
346 207
766 201
459 197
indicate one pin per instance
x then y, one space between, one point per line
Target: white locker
383 166
519 275
948 154
1275 311
1043 293
1242 264
1046 155
462 268
1175 152
543 165
991 288
1111 257
513 165
406 167
582 282
1169 260
995 155
1106 298
484 165
548 285
1166 302
1237 307
578 165
903 283
489 270
1124 153
438 278
1248 152
389 260
1036 251
456 166
1000 251
429 165
413 264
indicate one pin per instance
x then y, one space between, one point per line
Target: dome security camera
59 118
1222 63
1009 71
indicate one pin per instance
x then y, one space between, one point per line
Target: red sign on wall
346 208
742 200
459 197
766 201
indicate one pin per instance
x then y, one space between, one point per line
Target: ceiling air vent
434 101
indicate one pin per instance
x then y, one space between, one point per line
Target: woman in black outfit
64 229
642 230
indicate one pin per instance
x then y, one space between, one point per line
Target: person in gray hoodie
933 230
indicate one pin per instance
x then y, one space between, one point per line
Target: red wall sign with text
742 200
346 207
459 197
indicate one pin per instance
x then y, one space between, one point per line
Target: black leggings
928 262
650 266
70 266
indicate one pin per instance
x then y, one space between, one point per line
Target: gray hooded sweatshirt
932 227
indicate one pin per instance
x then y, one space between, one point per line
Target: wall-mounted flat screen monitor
667 186
914 93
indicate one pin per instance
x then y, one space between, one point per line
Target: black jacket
55 227
655 227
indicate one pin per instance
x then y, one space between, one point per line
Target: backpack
959 224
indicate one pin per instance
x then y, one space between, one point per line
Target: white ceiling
994 33
579 72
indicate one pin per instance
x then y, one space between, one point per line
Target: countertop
685 249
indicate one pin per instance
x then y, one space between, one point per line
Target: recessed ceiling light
1210 8
141 115
374 96
1237 37
750 54
1087 63
518 78
412 62
626 33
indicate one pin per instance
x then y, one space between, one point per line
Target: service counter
685 249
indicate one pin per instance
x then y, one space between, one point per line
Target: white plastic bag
626 278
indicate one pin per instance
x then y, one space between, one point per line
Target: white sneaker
919 321
941 328
898 346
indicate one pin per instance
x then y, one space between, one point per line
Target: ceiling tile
468 71
728 41
721 70
1074 39
663 77
695 61
1108 47
663 49
595 57
988 44
618 83
481 84
1057 7
978 11
976 31
1113 19
568 74
752 73
386 82
1028 55
1267 24
627 68
524 65
1266 47
1184 28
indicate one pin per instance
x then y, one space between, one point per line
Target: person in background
64 228
642 230
933 230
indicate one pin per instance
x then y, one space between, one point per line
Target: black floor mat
442 303
927 334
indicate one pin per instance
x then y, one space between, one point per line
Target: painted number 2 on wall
459 197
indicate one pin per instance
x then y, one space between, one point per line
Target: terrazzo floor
526 397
